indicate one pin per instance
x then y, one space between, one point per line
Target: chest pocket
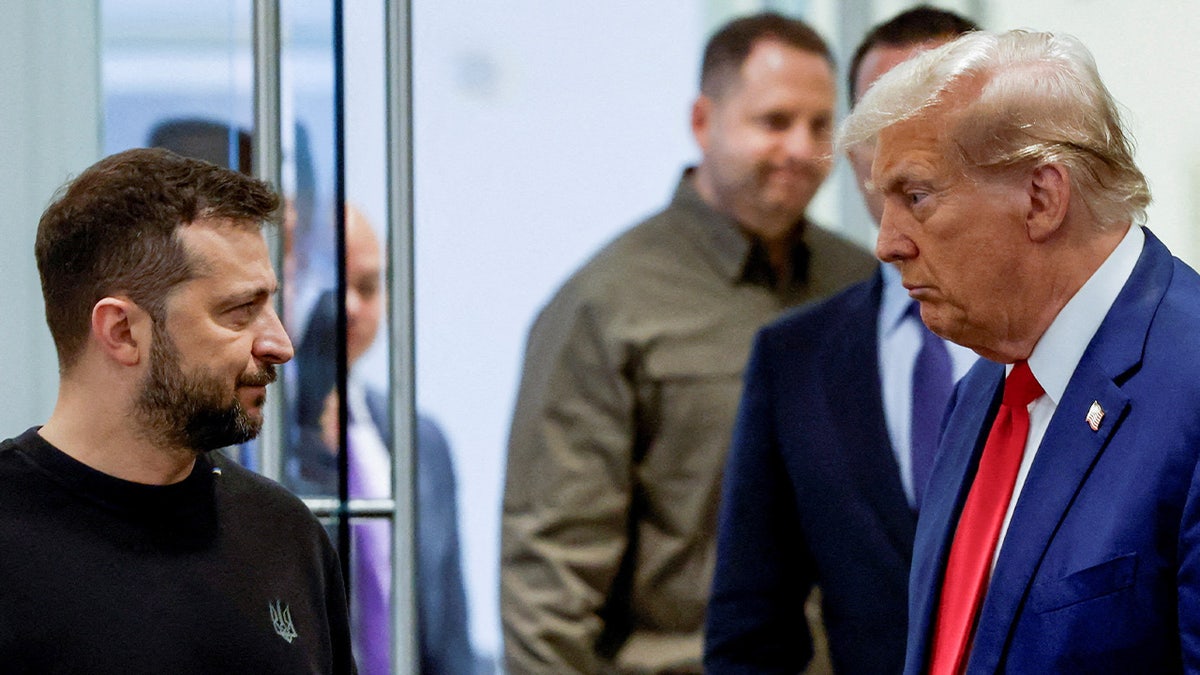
1097 581
686 394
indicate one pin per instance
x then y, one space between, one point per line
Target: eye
367 288
777 121
242 314
822 127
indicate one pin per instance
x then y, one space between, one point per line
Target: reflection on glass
312 468
202 103
309 274
180 75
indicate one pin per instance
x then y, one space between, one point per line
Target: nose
272 344
892 245
803 142
354 303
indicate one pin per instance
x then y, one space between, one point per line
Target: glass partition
183 76
478 151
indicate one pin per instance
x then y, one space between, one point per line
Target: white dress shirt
899 342
1060 348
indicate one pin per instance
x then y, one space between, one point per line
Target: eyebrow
901 174
248 294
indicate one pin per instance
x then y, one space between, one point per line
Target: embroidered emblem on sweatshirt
281 619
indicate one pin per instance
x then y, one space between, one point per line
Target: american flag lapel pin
1095 416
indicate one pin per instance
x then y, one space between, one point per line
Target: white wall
1149 57
49 121
539 134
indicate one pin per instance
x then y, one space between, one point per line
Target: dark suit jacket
812 494
312 470
1100 569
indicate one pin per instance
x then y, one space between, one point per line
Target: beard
194 411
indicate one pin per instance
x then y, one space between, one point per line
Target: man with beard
128 545
633 371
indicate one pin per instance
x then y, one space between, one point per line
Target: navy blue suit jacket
1100 569
812 494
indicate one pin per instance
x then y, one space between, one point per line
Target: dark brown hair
728 48
112 231
913 27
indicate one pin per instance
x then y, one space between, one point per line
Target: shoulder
14 469
244 492
638 250
836 260
1183 293
431 440
618 279
1168 347
855 307
8 450
1163 292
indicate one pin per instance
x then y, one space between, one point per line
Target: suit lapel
1069 449
1067 453
972 408
857 393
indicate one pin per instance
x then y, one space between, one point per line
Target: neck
1060 273
105 436
779 256
775 234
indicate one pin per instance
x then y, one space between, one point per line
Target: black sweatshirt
223 572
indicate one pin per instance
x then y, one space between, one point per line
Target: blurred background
535 132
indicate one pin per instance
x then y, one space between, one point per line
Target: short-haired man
1060 531
839 416
633 372
442 637
128 545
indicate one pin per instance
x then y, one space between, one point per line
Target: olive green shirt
632 378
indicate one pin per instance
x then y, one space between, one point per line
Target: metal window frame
268 153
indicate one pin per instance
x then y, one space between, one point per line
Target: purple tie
372 579
931 384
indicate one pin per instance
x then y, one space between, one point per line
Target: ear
122 330
701 120
1049 196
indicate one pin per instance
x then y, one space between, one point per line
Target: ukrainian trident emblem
281 619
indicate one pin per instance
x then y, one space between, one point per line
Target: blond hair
1030 99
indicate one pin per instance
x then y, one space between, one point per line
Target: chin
253 411
792 207
939 327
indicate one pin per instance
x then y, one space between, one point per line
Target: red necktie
979 526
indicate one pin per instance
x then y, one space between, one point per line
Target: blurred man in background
832 448
633 371
442 620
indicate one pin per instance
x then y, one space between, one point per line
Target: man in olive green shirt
633 372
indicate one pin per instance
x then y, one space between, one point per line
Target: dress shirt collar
894 301
356 401
737 255
1060 348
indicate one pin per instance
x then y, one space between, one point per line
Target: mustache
260 379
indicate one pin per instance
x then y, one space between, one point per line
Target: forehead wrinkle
248 277
894 176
